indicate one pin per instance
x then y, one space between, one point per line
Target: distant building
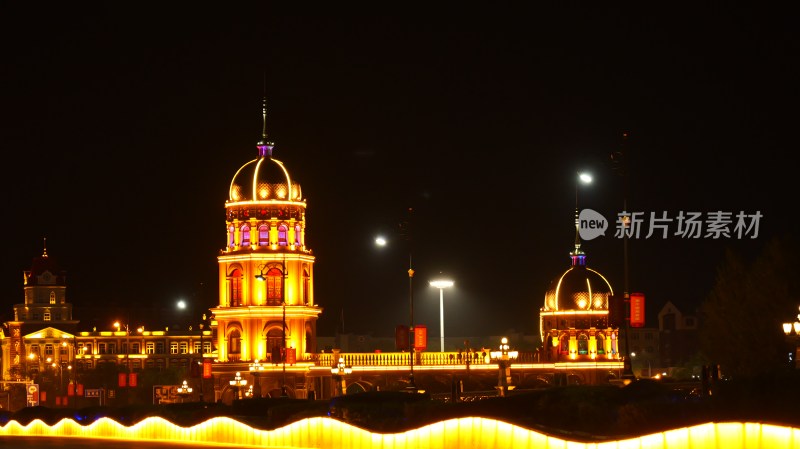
678 333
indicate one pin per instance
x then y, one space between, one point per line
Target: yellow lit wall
458 433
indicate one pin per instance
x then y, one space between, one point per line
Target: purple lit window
282 231
263 235
231 240
297 236
245 235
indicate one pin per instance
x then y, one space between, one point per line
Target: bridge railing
403 358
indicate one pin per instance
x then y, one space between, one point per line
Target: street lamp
441 284
793 329
503 358
580 178
620 160
184 391
284 274
60 373
405 231
237 383
257 367
339 371
202 358
127 342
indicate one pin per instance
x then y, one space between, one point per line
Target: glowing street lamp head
181 304
441 283
585 178
380 241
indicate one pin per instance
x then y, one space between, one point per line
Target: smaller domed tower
45 312
573 323
266 275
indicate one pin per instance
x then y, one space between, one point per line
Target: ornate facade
267 311
574 321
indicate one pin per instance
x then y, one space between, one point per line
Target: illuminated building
43 343
264 323
42 326
574 321
266 309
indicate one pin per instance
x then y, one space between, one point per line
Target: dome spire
264 146
44 254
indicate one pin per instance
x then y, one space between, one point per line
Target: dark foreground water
81 443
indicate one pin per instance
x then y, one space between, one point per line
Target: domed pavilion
574 321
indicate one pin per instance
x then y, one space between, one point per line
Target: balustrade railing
422 358
327 359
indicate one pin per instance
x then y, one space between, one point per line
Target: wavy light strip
473 432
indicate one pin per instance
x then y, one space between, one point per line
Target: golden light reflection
467 432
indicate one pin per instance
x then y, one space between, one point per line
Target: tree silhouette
741 318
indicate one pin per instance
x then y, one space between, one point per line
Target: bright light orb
585 178
181 304
441 283
380 241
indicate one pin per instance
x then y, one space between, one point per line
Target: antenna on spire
44 254
264 119
264 146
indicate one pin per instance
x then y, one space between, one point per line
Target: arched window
231 236
263 235
601 344
282 231
235 342
274 287
52 297
274 344
297 240
310 340
583 345
564 344
245 235
306 286
235 291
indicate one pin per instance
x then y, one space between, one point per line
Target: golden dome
264 179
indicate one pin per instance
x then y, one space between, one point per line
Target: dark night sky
122 128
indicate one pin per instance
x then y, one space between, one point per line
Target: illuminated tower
42 326
266 271
574 322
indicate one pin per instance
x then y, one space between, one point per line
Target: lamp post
237 383
184 391
405 231
793 329
441 284
339 371
256 368
202 358
60 373
503 358
620 159
284 274
127 342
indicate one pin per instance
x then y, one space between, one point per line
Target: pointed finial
264 146
44 254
